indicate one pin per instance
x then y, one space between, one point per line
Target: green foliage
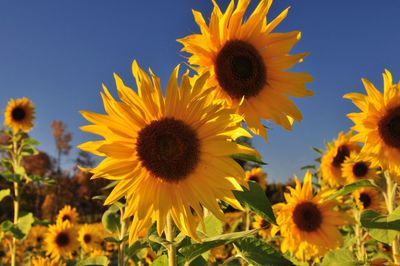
347 189
96 261
4 193
258 253
192 251
340 257
248 158
111 219
383 228
25 223
255 199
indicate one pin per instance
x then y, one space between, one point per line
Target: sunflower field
170 175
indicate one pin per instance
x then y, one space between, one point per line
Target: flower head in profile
248 62
61 240
337 152
170 155
19 114
378 123
258 175
68 214
308 223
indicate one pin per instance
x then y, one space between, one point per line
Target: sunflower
248 63
368 199
61 240
336 154
257 175
19 114
264 225
170 154
378 123
359 166
44 261
308 224
89 238
36 236
68 214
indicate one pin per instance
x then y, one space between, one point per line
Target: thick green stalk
169 233
390 198
121 248
16 165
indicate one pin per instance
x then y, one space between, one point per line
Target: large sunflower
337 152
19 114
68 214
308 224
258 175
248 63
378 123
359 166
170 155
61 240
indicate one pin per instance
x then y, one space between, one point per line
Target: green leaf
308 167
8 226
4 193
248 158
258 253
383 228
30 141
96 261
160 261
213 226
99 197
319 151
25 223
135 247
256 200
111 219
352 187
194 250
341 257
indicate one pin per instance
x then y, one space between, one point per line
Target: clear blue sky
59 52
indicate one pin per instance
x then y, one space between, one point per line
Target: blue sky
59 53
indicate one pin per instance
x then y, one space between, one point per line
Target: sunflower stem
390 198
121 248
361 255
169 233
16 165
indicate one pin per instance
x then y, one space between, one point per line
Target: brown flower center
18 114
365 200
66 218
389 128
264 224
62 239
254 178
360 169
39 239
87 238
307 216
169 149
240 69
342 152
